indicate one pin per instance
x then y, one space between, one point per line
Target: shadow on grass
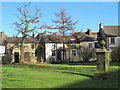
90 76
90 82
81 63
92 63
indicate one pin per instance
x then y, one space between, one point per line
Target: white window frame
113 40
74 45
90 45
74 53
53 53
2 49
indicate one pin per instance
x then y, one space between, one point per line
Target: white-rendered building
2 48
51 47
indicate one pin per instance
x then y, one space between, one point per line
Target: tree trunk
63 51
22 52
63 44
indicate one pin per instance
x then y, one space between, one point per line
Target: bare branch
27 24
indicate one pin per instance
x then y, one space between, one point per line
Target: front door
16 57
59 55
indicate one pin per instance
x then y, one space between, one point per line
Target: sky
89 14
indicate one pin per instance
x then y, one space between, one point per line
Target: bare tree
64 24
86 53
28 22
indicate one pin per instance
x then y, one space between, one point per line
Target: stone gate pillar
103 62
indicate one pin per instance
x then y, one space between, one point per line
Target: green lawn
56 76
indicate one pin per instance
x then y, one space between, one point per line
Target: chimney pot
101 25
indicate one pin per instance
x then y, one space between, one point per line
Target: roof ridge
111 25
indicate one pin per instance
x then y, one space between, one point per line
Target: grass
56 76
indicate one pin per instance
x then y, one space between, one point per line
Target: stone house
111 34
12 45
51 46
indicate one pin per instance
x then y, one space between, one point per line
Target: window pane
53 53
90 45
112 40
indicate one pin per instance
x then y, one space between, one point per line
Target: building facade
53 48
46 48
111 34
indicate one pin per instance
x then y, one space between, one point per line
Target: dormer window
53 46
73 46
72 39
32 46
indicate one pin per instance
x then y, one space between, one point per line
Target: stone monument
103 62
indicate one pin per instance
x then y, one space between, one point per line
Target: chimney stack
101 26
33 35
89 32
55 33
44 33
2 34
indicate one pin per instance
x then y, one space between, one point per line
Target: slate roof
45 39
76 38
18 40
82 37
1 41
112 30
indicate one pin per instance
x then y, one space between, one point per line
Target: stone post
12 57
103 62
